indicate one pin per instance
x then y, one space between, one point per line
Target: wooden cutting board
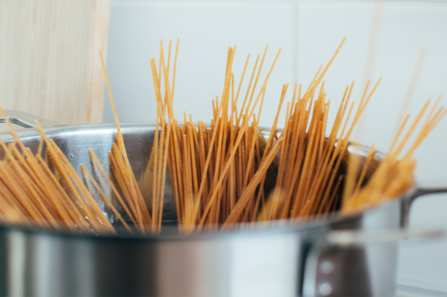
49 60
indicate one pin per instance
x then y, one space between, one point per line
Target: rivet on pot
327 267
325 289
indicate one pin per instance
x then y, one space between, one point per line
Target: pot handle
419 191
26 120
341 257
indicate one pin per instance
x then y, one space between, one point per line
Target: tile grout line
295 43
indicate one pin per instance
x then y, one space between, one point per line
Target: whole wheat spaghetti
223 173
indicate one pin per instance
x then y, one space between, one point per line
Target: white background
308 33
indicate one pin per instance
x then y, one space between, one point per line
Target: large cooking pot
287 259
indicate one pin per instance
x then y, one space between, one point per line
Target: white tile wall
205 32
308 32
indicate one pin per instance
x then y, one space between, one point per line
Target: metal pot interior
75 142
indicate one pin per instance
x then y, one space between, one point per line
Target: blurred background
404 42
308 32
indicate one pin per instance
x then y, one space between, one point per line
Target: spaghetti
220 173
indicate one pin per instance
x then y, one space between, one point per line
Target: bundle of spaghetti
155 174
127 185
34 194
216 170
393 176
308 170
212 187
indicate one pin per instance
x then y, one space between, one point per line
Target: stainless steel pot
284 260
